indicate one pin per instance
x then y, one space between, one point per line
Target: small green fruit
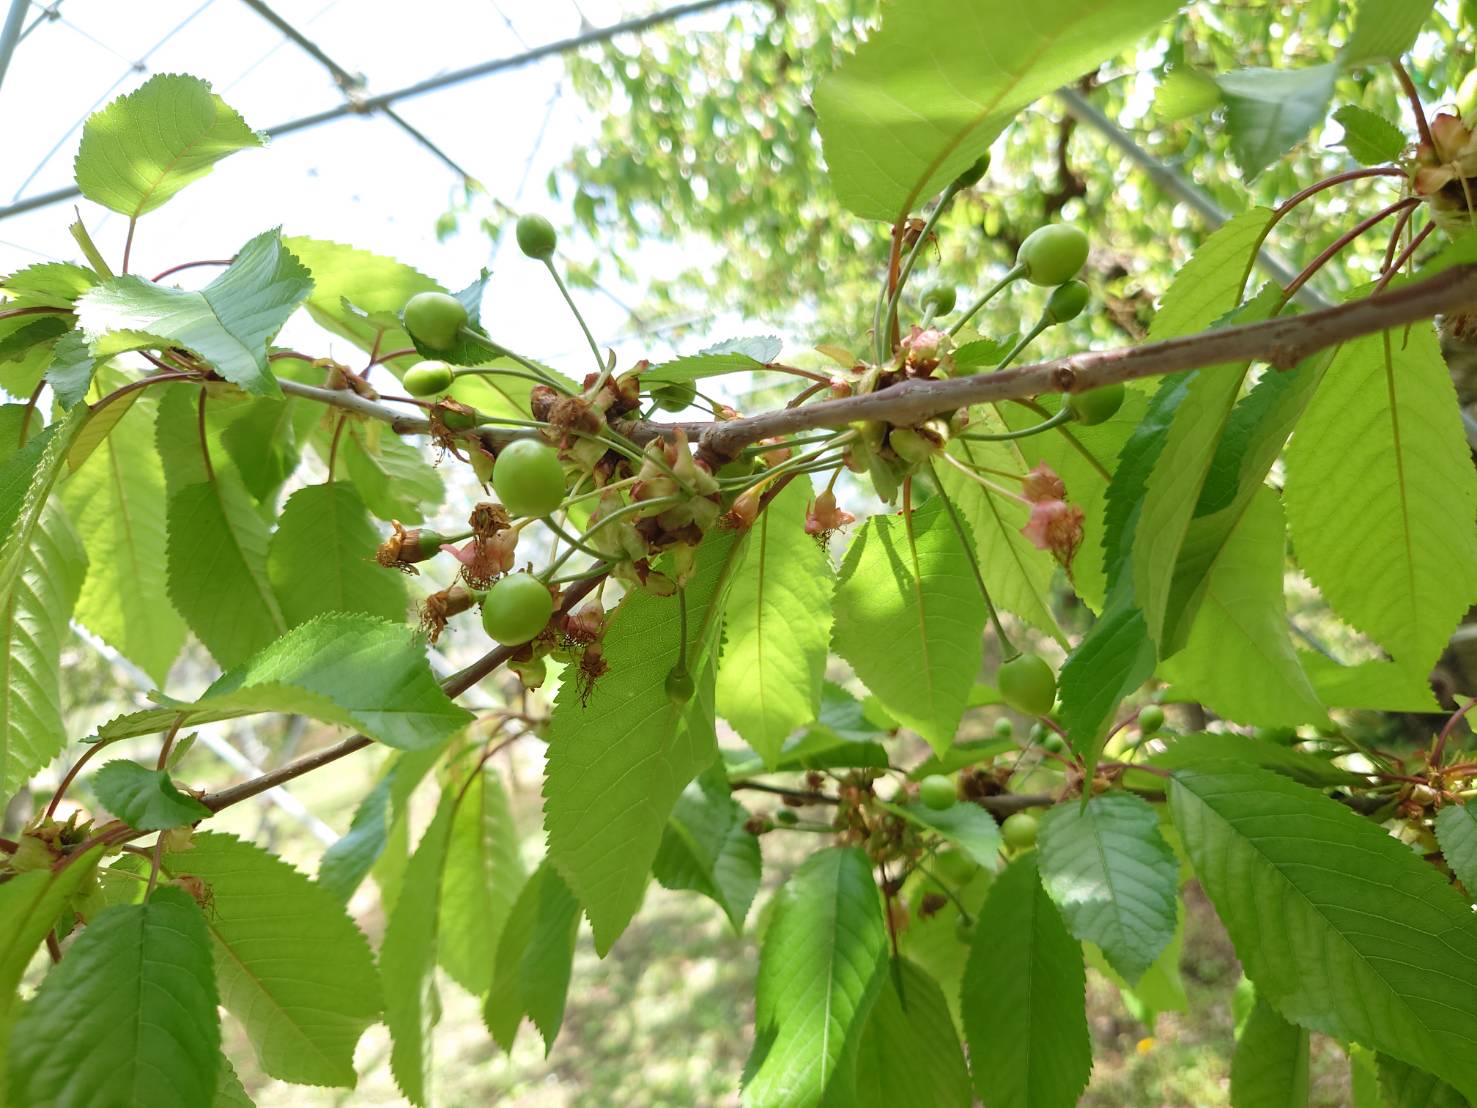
912 447
1095 405
1151 719
1004 729
1066 302
1053 255
516 609
937 792
1027 684
434 319
940 298
1019 831
427 378
536 237
528 478
674 397
679 685
1053 743
971 176
786 816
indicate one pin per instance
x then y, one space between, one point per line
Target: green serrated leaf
321 558
408 957
934 119
352 670
1192 751
778 628
229 1092
128 1017
145 799
1403 1086
1268 111
1343 929
1116 657
228 323
534 959
483 875
144 147
1369 138
822 965
217 564
48 284
1381 492
696 367
262 441
348 861
1456 831
1269 1068
1023 998
909 1051
292 966
910 619
707 848
71 369
1113 876
619 759
30 904
1384 29
26 480
1239 661
390 474
1184 93
117 499
36 609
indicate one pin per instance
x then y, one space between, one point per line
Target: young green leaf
116 499
144 147
71 369
934 119
261 438
1316 898
909 1051
291 965
408 958
26 480
228 323
145 799
353 670
534 959
619 759
35 609
1381 492
348 861
778 628
391 476
1384 29
968 826
482 877
1268 111
707 848
1370 139
1239 660
1377 686
1270 1066
217 562
732 356
822 964
1023 998
321 558
1192 751
129 1016
910 618
1113 876
1456 831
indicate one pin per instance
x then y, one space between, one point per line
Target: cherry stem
969 553
1414 97
885 321
1420 236
601 366
1440 747
30 409
1063 415
1014 274
1337 246
189 265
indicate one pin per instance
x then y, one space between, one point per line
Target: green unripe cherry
940 298
427 378
1151 719
516 609
974 172
1096 405
786 816
1004 729
1053 255
1019 831
674 397
1066 302
937 792
680 686
434 319
536 237
1027 684
528 478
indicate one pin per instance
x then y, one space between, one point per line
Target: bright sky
359 180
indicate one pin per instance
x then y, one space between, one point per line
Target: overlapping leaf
1270 1066
291 965
321 558
481 880
534 958
909 1052
145 799
1268 111
708 848
353 670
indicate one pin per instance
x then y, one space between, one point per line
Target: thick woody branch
1282 342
